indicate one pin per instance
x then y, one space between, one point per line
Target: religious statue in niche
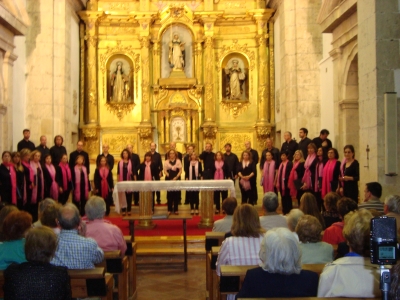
176 54
235 81
120 83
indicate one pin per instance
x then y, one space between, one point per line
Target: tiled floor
170 282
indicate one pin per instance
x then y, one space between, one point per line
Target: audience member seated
49 217
37 279
3 214
42 206
243 246
334 234
228 207
372 193
331 214
74 250
392 209
293 217
394 292
313 250
15 226
271 218
308 205
352 275
280 274
108 236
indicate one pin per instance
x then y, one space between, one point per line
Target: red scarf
281 177
77 191
327 177
121 171
13 177
307 173
66 175
292 178
34 167
28 166
268 176
219 172
194 163
103 171
54 185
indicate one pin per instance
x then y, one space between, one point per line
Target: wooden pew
119 266
309 298
212 239
131 254
214 277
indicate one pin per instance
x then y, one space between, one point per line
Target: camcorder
383 241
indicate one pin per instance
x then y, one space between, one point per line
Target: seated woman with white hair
293 217
280 274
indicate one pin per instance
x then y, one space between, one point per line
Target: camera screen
387 253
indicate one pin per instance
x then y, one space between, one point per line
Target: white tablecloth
179 185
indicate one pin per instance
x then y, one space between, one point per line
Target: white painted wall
75 63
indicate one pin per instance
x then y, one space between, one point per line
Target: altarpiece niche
120 79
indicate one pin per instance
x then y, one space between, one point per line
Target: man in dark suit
135 167
231 160
275 154
186 163
289 146
44 150
79 151
156 158
323 141
108 156
208 158
253 180
25 142
304 141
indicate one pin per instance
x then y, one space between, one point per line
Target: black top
208 163
318 142
25 144
275 156
262 284
5 184
72 158
232 163
350 188
251 168
289 148
135 163
43 151
56 154
186 163
300 170
303 144
109 158
156 158
34 280
155 173
254 156
199 174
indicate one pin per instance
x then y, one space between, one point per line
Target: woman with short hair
349 174
58 150
37 278
314 251
280 274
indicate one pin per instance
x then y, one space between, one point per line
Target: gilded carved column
82 74
144 52
209 106
271 68
263 72
198 51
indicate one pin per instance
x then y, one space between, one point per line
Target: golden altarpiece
185 71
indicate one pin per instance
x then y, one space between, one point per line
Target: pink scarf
66 175
28 166
13 177
54 185
194 163
292 178
281 177
147 171
77 191
268 176
319 169
219 172
307 173
121 171
327 177
103 171
34 167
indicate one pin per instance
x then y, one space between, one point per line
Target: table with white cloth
206 187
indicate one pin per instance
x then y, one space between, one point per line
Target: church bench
119 266
309 298
131 254
213 239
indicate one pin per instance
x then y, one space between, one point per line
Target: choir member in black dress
186 162
79 151
38 183
194 173
64 179
173 170
29 178
19 169
296 175
156 159
172 146
148 170
290 145
25 143
221 172
107 155
126 172
135 167
246 171
104 183
281 183
58 150
319 173
350 174
8 180
80 179
255 159
51 187
44 150
208 158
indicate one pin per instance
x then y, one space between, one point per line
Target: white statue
120 84
236 77
176 55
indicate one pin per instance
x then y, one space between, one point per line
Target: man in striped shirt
372 193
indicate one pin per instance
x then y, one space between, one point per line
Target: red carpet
164 228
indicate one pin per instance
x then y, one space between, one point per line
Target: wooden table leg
184 246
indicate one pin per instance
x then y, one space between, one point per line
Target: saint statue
236 77
176 54
120 85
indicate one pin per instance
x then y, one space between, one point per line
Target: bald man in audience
228 207
271 218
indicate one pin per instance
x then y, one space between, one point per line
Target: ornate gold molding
89 133
118 142
209 131
235 108
236 139
195 93
235 47
120 109
263 132
145 133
